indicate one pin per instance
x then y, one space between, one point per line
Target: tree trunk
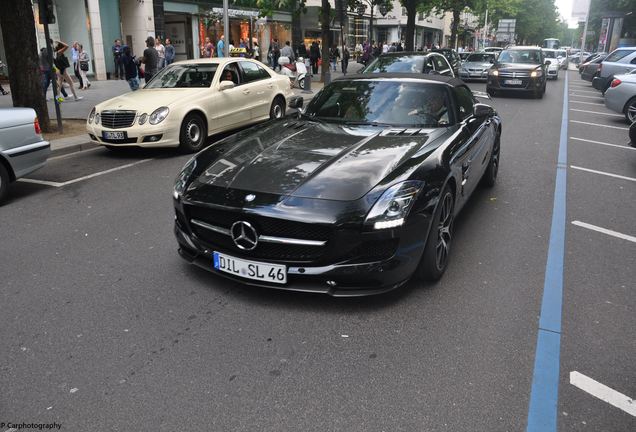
324 22
297 36
411 11
18 32
454 26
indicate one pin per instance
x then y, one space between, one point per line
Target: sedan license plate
274 273
514 82
114 135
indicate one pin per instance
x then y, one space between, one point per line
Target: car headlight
535 74
494 72
392 208
97 118
91 116
182 180
143 118
159 115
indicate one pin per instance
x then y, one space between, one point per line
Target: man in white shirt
385 48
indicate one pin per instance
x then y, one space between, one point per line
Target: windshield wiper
367 123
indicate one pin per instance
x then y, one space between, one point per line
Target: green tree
267 8
536 20
453 6
412 7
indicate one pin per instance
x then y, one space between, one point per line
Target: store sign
236 12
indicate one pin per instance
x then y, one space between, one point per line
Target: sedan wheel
630 110
4 183
437 249
193 134
277 109
490 176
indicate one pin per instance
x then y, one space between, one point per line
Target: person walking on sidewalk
119 66
62 64
220 47
82 65
345 59
287 51
334 55
170 54
150 59
48 72
161 51
75 59
130 68
314 55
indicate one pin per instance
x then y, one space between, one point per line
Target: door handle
246 92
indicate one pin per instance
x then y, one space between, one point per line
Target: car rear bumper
27 158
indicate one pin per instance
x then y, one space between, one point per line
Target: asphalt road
104 328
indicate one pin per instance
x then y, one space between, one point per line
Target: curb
71 144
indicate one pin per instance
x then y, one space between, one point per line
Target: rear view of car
619 61
621 96
22 148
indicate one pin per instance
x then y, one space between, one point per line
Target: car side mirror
226 85
296 102
483 111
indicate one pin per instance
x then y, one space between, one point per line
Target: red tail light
36 126
615 82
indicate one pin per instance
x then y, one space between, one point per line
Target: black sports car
352 197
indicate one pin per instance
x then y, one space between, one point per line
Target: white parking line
599 125
585 91
64 156
588 103
588 97
603 173
57 184
596 112
603 392
604 143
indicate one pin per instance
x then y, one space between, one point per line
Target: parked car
352 198
619 61
410 62
22 148
188 101
576 56
554 66
562 56
520 69
621 95
451 56
590 69
476 66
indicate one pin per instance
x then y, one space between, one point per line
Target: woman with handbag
62 64
83 66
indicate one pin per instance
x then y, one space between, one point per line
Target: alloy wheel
631 112
278 111
193 132
444 232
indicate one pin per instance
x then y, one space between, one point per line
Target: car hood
484 65
148 100
307 159
517 66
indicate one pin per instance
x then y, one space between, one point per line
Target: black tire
193 134
4 183
301 83
630 110
277 110
438 244
490 176
491 92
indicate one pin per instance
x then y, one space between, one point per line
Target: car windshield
562 53
481 58
520 56
184 76
408 64
384 103
549 54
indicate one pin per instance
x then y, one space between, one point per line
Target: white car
188 101
554 66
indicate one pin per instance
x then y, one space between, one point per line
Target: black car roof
441 79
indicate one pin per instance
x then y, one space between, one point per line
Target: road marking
64 156
586 91
603 173
605 231
587 97
544 395
596 112
600 125
604 143
603 392
108 171
587 103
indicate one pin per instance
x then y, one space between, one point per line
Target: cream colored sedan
188 101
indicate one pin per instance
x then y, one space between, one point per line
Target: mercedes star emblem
250 197
244 235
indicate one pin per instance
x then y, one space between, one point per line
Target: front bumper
162 135
476 76
553 73
528 84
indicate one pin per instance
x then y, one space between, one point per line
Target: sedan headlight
91 116
97 118
393 206
536 74
182 180
494 72
143 118
159 115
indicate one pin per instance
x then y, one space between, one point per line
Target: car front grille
374 250
118 119
514 74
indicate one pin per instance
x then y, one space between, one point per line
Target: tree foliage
537 20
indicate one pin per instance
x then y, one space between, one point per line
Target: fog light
152 138
332 283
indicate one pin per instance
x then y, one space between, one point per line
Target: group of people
209 49
58 70
157 55
312 56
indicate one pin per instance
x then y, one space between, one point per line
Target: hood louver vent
401 132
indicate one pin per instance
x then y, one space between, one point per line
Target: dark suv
518 69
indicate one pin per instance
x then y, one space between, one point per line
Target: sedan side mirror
226 85
296 102
483 111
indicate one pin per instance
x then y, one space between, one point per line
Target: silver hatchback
22 148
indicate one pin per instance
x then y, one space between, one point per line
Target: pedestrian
288 52
377 50
275 54
345 59
49 72
392 48
314 55
231 47
256 51
385 48
119 66
399 47
302 50
220 47
208 48
82 66
334 55
170 54
62 64
366 53
270 57
130 68
74 58
161 52
150 59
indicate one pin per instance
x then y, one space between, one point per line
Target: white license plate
274 273
514 82
114 135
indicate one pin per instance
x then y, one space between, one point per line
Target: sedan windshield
385 103
408 64
481 58
184 76
549 54
520 56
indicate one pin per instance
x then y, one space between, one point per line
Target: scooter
297 72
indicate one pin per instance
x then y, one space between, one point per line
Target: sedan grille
118 119
514 74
